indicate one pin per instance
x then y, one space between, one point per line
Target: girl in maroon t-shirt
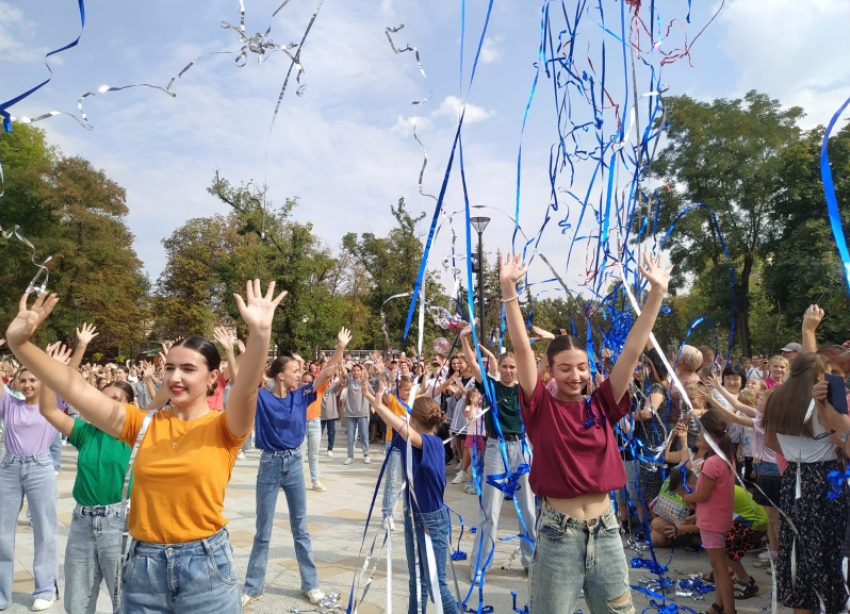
577 458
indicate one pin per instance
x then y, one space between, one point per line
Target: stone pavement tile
22 582
312 527
347 514
65 518
241 539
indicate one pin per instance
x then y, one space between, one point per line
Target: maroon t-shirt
575 447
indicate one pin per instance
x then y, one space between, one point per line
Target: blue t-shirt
429 473
281 423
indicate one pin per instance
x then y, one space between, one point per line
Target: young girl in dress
578 542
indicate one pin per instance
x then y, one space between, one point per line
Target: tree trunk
743 322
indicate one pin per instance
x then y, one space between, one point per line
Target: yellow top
180 475
399 410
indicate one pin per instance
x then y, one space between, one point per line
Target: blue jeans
361 425
491 504
195 577
56 452
281 469
437 525
572 554
92 554
314 438
31 476
331 426
392 478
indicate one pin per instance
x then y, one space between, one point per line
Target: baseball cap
792 347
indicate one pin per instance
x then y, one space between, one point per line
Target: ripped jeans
572 554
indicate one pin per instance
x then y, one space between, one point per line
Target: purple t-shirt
27 432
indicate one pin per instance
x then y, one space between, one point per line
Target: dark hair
562 344
714 424
427 412
123 368
785 410
124 387
203 347
440 354
657 369
738 370
677 477
837 356
404 380
279 365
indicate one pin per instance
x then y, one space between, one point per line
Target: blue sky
345 147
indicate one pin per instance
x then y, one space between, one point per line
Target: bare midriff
583 507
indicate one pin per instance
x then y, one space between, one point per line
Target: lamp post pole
77 305
480 224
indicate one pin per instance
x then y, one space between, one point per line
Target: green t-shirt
101 465
507 400
749 512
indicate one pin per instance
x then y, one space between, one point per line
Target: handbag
670 506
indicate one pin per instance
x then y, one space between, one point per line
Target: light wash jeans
392 479
192 578
356 425
281 469
314 439
572 554
331 426
437 525
491 504
31 476
92 554
56 452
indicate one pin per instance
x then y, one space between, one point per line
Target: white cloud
452 106
14 30
404 125
490 52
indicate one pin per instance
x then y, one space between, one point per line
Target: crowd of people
685 449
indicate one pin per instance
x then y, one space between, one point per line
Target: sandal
745 590
715 609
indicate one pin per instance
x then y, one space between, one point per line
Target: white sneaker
347 461
460 478
246 599
367 460
40 605
240 455
388 524
317 486
764 556
330 453
315 595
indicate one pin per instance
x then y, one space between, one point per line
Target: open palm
28 318
257 310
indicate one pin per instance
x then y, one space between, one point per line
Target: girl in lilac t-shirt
714 497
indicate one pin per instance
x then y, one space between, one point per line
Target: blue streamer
829 194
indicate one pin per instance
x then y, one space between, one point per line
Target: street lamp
480 224
77 305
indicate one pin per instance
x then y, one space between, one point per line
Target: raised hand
654 272
241 345
59 353
343 338
148 371
812 318
28 318
223 336
466 331
513 268
257 310
543 334
86 334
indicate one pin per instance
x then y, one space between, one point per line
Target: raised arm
469 353
512 270
680 433
97 408
623 371
226 340
402 427
343 338
258 313
714 384
84 337
61 421
837 425
811 319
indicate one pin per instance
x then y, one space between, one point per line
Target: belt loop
207 547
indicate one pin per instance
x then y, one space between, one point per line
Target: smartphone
837 395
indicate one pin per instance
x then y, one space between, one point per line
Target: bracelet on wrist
508 300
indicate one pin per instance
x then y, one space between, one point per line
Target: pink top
574 442
770 383
27 433
716 514
216 399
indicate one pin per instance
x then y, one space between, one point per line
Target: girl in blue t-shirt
423 507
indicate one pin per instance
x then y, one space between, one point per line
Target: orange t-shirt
180 475
314 409
399 410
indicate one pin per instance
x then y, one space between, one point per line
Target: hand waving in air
655 273
86 334
28 318
513 269
257 310
58 352
543 334
223 336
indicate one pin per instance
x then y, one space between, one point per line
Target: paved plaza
336 519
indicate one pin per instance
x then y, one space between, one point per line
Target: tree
728 155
